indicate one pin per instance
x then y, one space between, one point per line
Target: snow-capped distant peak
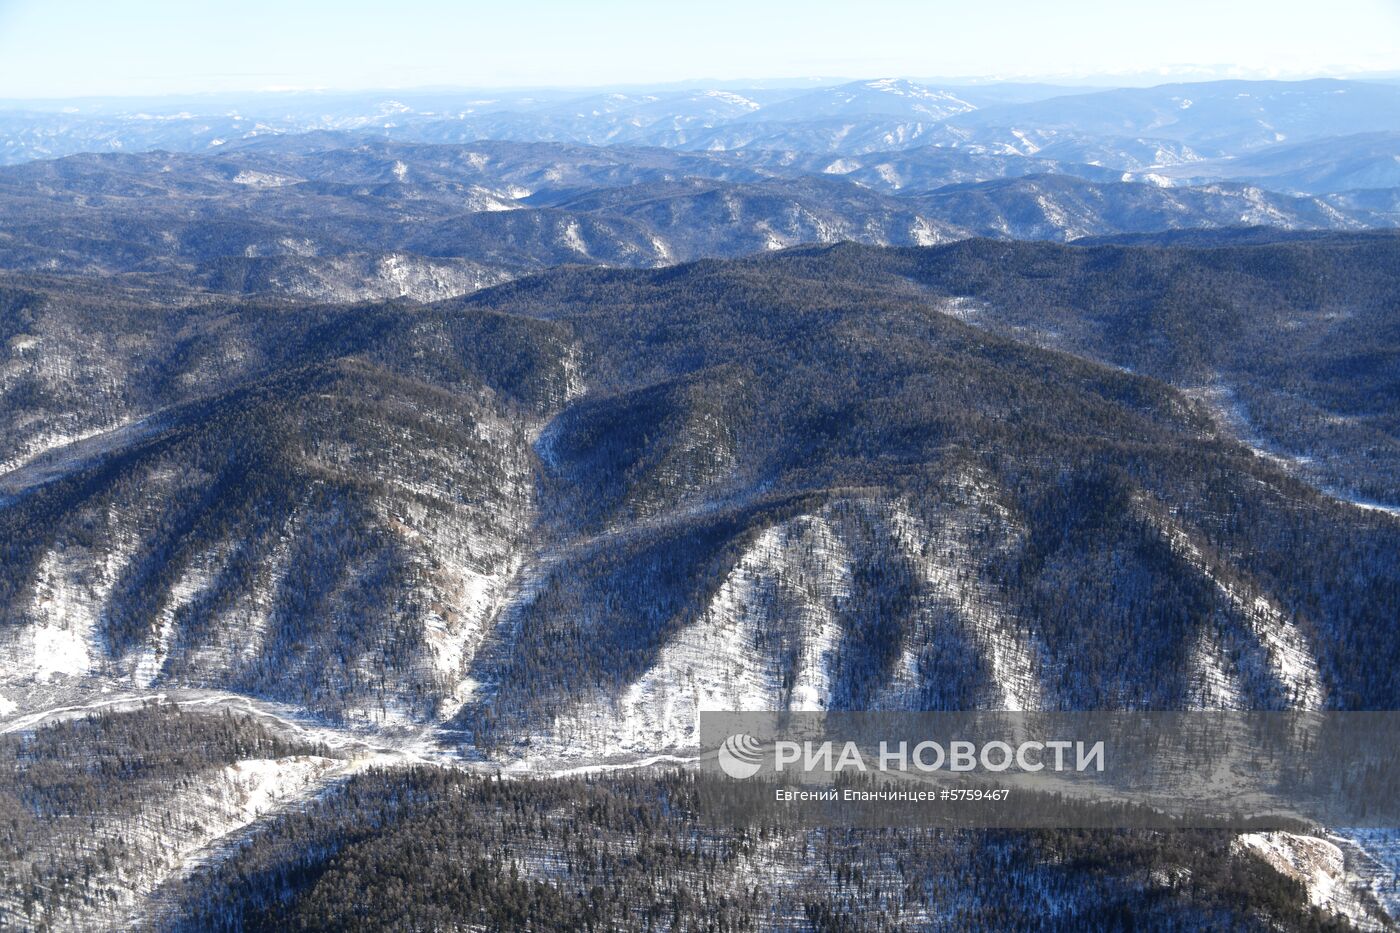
897 86
926 100
730 97
901 87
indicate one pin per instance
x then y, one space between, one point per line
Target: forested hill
534 509
1292 338
541 526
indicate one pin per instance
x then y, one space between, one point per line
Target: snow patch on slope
193 582
778 631
573 238
1315 863
167 833
773 622
63 631
1213 683
1289 656
943 555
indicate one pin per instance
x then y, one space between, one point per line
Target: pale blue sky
59 48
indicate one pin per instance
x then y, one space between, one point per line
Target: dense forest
435 850
90 805
629 437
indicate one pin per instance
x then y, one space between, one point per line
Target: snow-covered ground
1320 866
1290 658
943 554
1224 403
766 640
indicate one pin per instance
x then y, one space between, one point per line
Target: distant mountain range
1132 129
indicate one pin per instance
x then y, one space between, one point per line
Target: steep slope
903 511
544 526
803 458
244 538
246 544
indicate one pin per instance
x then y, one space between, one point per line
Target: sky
70 48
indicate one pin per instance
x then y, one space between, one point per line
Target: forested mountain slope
97 810
649 852
551 521
1292 340
587 502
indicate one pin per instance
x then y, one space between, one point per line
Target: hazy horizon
157 48
1070 85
